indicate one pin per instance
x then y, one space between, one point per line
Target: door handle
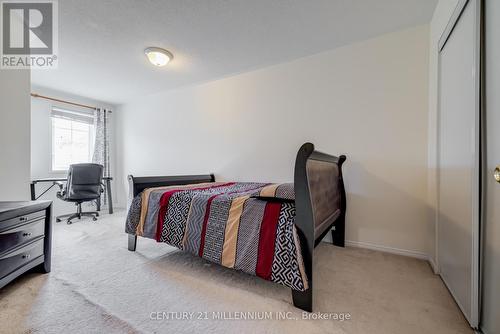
496 174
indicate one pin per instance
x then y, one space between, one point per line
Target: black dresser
25 238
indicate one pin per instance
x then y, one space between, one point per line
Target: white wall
440 19
14 135
368 100
41 141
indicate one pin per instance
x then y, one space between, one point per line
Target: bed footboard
138 184
320 201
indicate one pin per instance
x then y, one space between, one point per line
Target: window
72 138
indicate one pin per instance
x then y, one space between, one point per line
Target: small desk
63 179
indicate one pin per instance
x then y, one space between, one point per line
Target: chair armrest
62 191
59 184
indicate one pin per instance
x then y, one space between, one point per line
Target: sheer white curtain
101 145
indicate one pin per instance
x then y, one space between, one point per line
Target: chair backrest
84 181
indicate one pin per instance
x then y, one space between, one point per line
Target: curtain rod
64 101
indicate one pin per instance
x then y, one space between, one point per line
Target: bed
268 230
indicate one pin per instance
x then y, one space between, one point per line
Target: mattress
241 225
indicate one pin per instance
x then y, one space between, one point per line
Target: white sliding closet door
458 158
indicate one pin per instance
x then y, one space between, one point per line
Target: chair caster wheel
97 215
94 218
58 220
69 223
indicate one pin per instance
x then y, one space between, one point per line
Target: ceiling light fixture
158 56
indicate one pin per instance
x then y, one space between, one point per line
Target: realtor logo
29 34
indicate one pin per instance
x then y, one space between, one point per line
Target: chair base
78 214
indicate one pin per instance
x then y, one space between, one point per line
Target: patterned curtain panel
101 148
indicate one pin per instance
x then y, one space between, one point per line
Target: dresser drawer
6 224
18 258
21 234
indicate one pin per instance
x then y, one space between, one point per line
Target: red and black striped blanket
245 226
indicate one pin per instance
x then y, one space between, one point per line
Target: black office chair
84 185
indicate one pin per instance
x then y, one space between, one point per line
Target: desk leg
98 203
110 197
32 190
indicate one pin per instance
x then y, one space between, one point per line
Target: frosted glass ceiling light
158 56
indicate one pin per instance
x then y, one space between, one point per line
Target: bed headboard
138 184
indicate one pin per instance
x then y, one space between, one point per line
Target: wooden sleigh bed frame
320 203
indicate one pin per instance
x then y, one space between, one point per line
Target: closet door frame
477 210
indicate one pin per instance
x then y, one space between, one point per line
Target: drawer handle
26 234
26 256
23 219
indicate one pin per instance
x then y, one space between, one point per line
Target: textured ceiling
101 43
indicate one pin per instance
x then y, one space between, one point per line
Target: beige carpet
98 286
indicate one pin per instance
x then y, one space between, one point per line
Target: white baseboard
433 265
393 250
386 249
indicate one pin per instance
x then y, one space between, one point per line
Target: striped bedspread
245 226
